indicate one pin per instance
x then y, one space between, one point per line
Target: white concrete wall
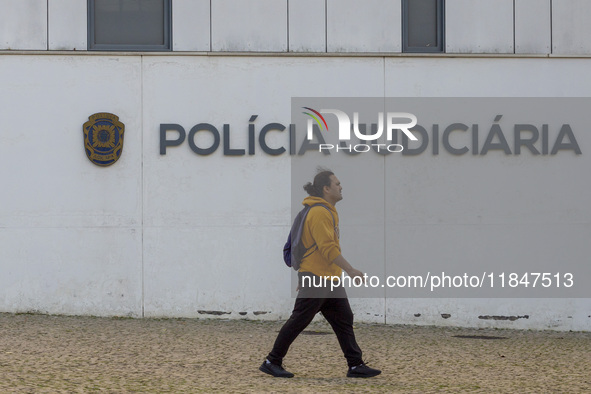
363 26
70 234
570 27
307 26
23 25
67 25
479 26
175 234
254 25
191 25
471 26
533 19
213 224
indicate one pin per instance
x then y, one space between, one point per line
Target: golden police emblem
103 138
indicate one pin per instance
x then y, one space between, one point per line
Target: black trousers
336 310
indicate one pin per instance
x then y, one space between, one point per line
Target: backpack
294 250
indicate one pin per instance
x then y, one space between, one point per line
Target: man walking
324 260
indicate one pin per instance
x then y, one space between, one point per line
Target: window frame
165 47
440 48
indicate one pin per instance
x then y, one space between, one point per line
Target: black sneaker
275 370
362 371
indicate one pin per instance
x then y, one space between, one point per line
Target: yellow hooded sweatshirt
319 229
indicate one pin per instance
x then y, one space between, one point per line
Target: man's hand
355 273
344 264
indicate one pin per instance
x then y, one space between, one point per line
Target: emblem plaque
103 138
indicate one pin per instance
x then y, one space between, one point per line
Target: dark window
422 25
129 25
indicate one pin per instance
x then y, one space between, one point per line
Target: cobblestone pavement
52 354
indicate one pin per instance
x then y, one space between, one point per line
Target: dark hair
321 179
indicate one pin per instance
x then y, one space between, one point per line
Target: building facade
188 223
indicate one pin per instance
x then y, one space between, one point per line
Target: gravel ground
52 354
